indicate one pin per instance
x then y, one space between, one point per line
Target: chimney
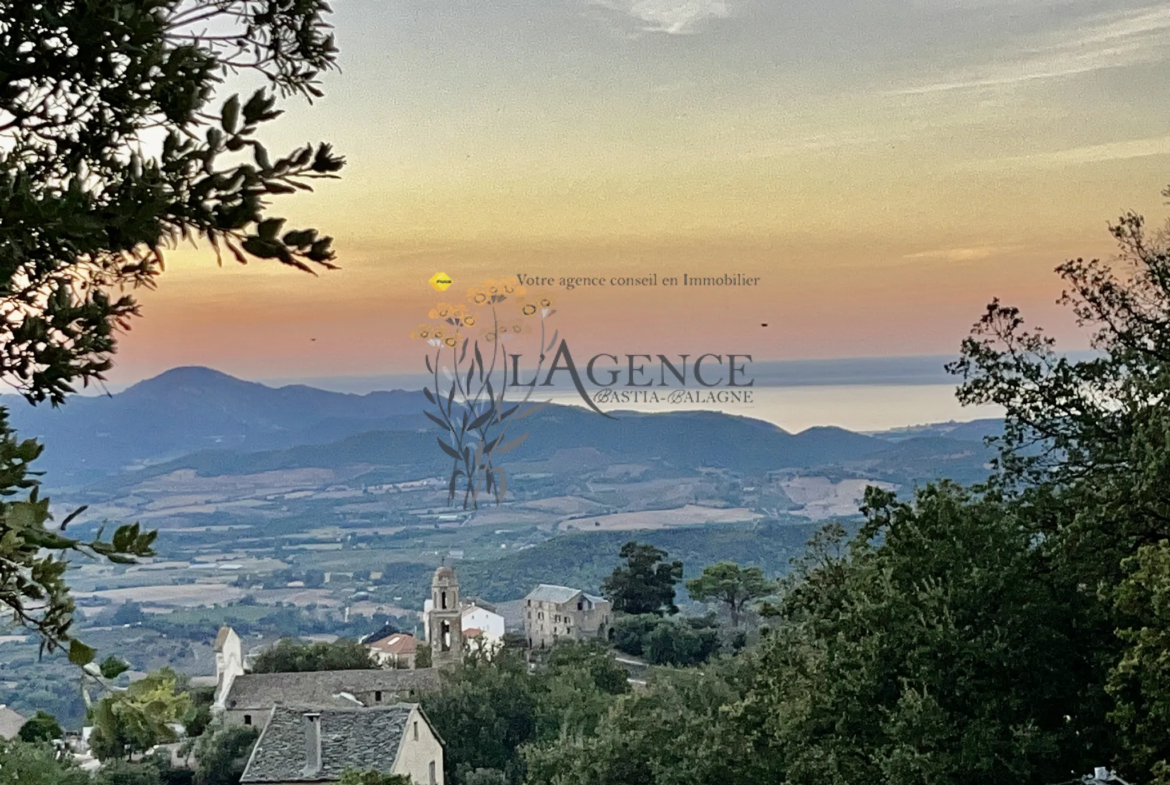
312 742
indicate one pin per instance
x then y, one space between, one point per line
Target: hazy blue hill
690 440
921 459
695 439
202 419
826 444
189 409
974 430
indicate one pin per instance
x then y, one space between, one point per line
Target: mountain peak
187 376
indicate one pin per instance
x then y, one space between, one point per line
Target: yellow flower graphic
421 333
451 341
469 320
541 305
440 311
478 296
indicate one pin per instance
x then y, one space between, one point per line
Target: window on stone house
416 730
377 696
580 605
247 719
568 630
431 774
444 596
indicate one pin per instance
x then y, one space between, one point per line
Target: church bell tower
445 623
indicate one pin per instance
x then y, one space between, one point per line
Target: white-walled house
483 624
483 627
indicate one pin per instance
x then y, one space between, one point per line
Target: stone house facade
308 744
553 613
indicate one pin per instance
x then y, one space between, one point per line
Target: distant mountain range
216 424
186 410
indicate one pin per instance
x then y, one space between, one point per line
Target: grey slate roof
548 593
324 688
360 739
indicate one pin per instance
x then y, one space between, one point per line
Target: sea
856 407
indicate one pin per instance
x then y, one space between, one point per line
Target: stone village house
316 725
301 745
553 613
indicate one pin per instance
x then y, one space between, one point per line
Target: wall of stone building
590 622
572 624
254 718
540 627
417 754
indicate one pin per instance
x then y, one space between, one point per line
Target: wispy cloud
816 143
1087 154
971 254
674 17
1115 40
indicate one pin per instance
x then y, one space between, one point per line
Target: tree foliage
91 201
293 656
222 754
40 727
484 712
111 152
645 583
941 647
1140 683
489 709
23 763
667 641
731 585
130 722
1086 456
33 584
678 731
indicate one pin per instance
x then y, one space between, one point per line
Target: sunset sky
884 167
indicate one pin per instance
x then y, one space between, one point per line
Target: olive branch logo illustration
475 413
